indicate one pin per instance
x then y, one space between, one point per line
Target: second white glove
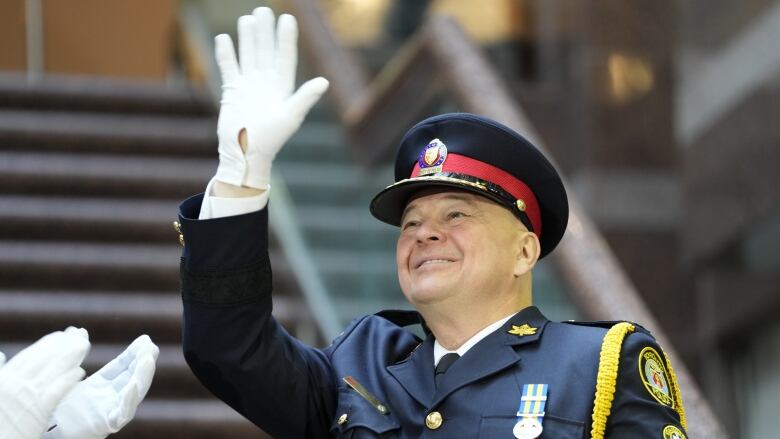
107 400
257 96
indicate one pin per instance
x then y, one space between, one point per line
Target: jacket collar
495 352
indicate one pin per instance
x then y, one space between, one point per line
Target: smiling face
460 248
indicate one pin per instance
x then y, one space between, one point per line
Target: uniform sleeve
230 339
645 404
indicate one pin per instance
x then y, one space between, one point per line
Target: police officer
477 205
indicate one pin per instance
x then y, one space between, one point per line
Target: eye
455 214
409 224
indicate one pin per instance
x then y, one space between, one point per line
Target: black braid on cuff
234 287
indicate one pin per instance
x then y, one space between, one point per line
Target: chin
427 295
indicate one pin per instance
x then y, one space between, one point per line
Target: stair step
319 142
317 135
92 219
103 175
103 94
118 314
107 133
332 184
71 265
366 263
334 176
101 266
320 218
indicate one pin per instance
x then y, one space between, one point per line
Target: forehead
441 194
433 195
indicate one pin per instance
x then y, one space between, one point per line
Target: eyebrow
466 198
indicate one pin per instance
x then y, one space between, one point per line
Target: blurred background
661 114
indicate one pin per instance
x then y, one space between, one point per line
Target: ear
528 253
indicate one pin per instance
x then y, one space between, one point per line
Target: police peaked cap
479 155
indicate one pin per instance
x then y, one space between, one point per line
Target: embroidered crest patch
672 432
654 376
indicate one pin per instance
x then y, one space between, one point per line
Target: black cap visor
389 204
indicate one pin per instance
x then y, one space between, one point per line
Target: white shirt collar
439 350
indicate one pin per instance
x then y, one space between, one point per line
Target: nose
429 231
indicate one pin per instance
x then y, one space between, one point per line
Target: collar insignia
522 330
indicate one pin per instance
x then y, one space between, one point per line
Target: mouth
432 262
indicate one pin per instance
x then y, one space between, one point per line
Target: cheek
402 252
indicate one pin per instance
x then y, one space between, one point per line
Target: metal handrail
282 218
600 287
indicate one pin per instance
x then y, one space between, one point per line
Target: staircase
91 173
353 252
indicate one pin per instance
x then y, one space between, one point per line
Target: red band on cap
461 164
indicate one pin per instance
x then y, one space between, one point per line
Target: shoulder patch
672 432
654 376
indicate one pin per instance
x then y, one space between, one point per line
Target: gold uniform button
342 419
433 420
177 227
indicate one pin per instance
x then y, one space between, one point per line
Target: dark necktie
444 363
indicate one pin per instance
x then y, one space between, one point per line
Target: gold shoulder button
342 419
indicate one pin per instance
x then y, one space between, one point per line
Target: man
42 395
477 205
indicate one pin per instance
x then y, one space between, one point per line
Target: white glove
258 96
106 401
34 381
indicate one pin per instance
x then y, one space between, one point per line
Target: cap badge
432 157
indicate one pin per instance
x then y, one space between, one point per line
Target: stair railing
442 57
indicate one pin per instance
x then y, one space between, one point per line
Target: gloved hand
34 381
106 401
257 96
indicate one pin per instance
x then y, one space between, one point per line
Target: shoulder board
606 324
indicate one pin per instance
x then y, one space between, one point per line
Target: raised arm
230 339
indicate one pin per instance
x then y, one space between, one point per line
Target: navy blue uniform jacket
291 390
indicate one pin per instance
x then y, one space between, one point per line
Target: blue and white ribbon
530 414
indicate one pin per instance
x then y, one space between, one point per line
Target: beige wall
94 37
12 35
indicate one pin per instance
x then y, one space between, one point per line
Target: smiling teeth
432 261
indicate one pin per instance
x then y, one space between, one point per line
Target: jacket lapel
492 354
415 373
